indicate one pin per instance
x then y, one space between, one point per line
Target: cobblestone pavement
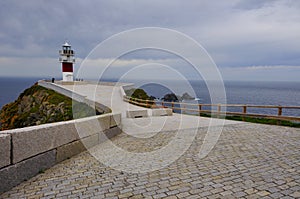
249 161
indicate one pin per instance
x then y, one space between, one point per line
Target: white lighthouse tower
67 60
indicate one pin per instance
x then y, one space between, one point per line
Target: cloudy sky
247 39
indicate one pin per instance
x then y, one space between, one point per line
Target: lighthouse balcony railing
66 52
66 60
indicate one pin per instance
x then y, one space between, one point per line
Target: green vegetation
38 105
256 120
137 93
140 94
264 121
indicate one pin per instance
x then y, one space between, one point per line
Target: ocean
257 93
253 93
12 87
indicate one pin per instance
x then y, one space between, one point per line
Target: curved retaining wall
27 151
126 87
74 96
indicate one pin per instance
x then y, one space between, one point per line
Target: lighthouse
67 60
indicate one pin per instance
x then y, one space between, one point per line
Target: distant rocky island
171 97
38 105
138 93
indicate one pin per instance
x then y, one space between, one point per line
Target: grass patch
256 120
264 121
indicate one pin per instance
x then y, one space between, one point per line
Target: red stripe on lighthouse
67 67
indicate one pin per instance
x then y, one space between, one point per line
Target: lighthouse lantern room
67 60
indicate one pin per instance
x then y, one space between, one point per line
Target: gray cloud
235 32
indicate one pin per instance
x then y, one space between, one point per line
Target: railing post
279 114
173 106
279 110
200 108
244 112
162 104
219 110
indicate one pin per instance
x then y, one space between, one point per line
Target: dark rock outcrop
38 105
137 93
170 97
186 96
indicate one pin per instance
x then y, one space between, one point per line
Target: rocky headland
38 105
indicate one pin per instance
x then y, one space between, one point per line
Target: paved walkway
248 161
107 94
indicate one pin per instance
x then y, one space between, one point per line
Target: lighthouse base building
67 60
67 72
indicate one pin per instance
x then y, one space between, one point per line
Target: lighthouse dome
66 44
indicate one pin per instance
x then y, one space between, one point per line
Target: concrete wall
26 151
75 96
126 87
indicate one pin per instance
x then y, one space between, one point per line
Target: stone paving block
68 150
90 141
136 113
13 175
170 197
104 122
296 194
125 195
88 126
102 108
110 133
162 112
4 150
92 125
115 120
30 141
183 195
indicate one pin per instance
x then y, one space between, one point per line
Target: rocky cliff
38 105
